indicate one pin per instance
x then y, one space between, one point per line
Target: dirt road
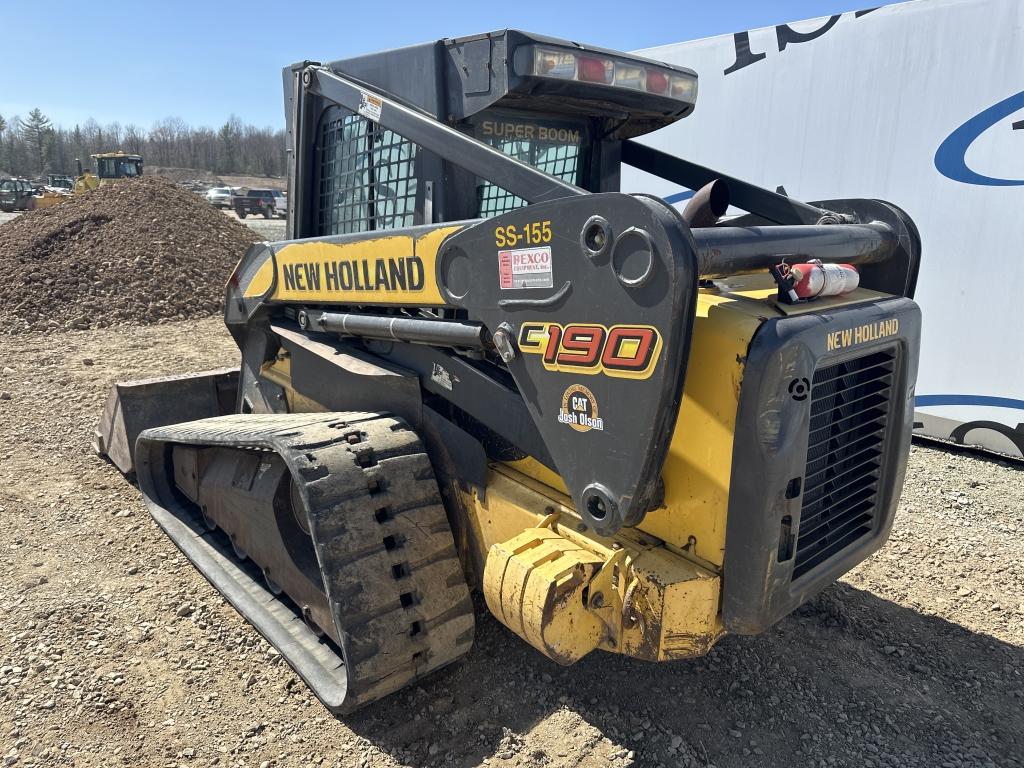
114 651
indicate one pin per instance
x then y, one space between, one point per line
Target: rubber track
391 573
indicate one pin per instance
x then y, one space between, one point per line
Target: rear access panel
822 436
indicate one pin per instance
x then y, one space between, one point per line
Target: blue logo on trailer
678 197
994 402
951 156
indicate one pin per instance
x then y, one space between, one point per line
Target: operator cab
117 165
559 106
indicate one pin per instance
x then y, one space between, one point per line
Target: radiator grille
367 179
845 450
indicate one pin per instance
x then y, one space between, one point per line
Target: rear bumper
821 442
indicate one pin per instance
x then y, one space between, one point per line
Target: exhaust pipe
708 205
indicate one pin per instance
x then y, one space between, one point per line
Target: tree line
33 146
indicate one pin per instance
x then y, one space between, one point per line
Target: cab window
366 176
553 146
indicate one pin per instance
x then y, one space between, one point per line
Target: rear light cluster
594 68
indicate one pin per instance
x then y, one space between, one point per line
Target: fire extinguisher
814 279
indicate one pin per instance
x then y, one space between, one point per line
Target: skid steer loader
476 363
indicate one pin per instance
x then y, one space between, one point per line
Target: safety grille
845 450
367 179
559 160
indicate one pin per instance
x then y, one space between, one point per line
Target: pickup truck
219 197
269 202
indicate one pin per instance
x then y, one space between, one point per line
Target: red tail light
594 70
657 82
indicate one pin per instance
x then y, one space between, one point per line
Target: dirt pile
138 251
183 174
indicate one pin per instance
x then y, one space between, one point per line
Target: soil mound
137 251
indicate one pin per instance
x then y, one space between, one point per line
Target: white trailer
920 104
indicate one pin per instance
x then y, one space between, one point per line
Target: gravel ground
114 651
5 217
266 229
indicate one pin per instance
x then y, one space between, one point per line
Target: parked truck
268 203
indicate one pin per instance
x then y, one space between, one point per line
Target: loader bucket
133 406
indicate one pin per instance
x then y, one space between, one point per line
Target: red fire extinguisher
815 279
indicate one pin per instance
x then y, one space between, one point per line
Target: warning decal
370 106
525 268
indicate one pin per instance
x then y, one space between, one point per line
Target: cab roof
456 78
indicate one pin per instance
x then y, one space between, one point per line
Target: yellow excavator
475 363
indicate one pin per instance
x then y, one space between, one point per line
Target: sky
138 62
